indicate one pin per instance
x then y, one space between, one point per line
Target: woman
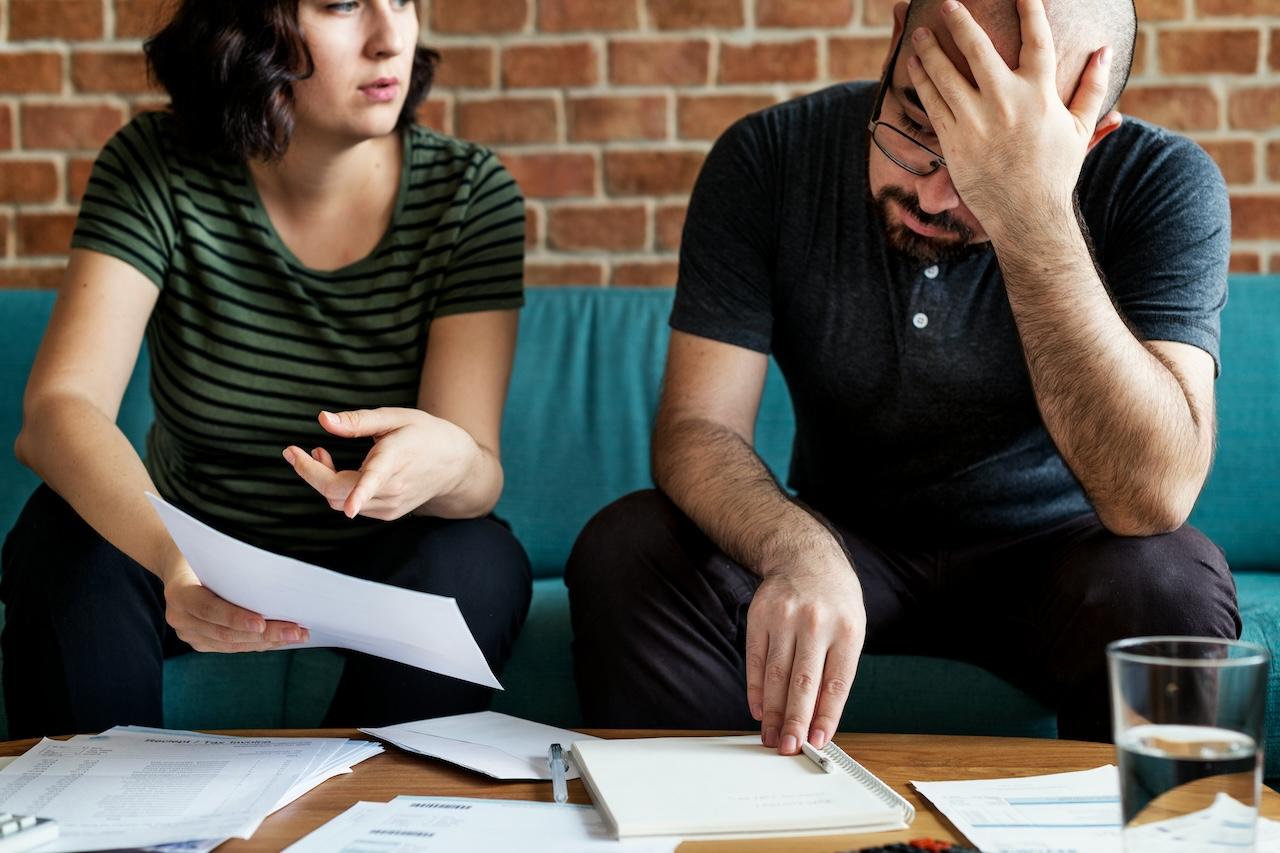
285 238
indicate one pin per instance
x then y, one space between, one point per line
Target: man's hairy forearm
716 479
1120 416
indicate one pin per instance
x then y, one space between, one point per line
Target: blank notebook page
720 785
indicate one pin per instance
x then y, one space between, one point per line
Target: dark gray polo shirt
915 413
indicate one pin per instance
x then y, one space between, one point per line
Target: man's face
924 217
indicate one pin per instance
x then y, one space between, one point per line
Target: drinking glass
1188 715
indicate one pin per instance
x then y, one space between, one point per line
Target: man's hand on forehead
1012 146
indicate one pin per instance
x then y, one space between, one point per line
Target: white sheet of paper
345 754
497 745
442 824
1077 812
108 793
416 628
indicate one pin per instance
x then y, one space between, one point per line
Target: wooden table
894 758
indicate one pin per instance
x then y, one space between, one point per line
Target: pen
556 761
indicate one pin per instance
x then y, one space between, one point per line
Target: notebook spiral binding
868 780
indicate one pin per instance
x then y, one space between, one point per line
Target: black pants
85 636
660 615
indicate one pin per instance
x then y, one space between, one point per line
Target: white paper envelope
487 742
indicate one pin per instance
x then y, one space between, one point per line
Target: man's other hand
805 631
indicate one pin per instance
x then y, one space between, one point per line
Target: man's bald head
1079 28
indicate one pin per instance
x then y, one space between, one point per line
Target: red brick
533 218
1273 161
4 235
110 71
667 62
437 114
505 121
707 116
1174 107
612 228
1203 51
1245 262
544 273
668 225
606 119
148 105
30 71
1249 8
550 65
562 16
557 175
6 127
142 18
45 233
645 274
628 173
78 171
1140 54
28 181
878 13
1161 10
1255 217
56 19
804 13
858 58
23 278
466 68
479 16
1235 157
1273 263
1254 109
769 62
696 14
69 126
1273 55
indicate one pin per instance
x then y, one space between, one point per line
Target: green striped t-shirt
248 345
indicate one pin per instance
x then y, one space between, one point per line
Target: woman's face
363 52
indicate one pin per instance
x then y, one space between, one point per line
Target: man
1001 354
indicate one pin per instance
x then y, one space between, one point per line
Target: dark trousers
660 615
85 635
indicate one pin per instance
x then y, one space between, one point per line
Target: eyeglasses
897 144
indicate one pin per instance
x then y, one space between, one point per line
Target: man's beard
917 247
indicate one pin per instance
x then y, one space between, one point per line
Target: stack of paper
1077 812
137 787
443 824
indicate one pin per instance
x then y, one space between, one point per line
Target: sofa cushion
1240 505
583 396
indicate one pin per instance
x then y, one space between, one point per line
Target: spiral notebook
717 786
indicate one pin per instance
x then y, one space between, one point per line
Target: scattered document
1077 812
441 824
495 744
415 628
147 788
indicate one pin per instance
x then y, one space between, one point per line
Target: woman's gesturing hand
415 457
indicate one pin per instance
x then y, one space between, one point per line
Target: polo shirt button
920 321
931 272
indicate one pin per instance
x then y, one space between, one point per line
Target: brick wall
603 109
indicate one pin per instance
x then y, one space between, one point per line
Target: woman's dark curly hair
229 67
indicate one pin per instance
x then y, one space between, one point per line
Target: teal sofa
576 436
